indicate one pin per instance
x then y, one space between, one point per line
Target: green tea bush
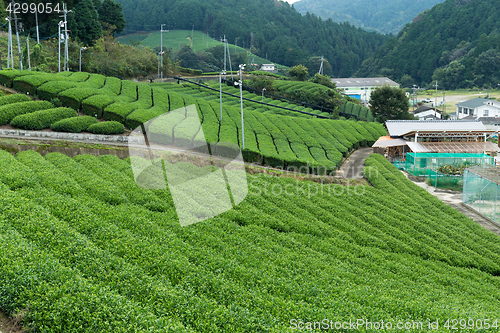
42 119
14 98
74 124
10 111
107 127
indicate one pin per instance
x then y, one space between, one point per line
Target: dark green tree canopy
84 22
445 41
271 28
298 73
110 12
389 103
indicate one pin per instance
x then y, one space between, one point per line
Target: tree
406 81
84 23
110 12
323 80
389 103
298 73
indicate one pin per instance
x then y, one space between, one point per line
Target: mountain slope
385 16
265 27
460 37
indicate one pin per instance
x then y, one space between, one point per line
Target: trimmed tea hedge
7 76
107 127
42 119
50 89
95 105
73 97
14 98
74 125
10 111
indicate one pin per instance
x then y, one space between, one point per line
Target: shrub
30 83
73 97
50 89
14 98
107 127
94 105
7 76
10 111
73 125
42 119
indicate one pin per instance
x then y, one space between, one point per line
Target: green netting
419 164
481 191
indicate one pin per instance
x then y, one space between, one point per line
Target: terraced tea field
270 139
85 250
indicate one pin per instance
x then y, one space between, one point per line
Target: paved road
455 200
352 168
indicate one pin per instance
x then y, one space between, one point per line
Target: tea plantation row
278 141
82 253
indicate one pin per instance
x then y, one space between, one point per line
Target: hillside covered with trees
384 16
271 29
456 42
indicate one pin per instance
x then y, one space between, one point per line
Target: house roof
425 108
397 128
490 120
387 141
364 82
474 103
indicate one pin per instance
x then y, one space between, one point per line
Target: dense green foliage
82 253
389 103
42 119
10 111
317 145
456 42
384 16
107 127
74 124
263 27
14 98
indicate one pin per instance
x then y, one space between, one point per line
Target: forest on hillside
384 16
456 42
269 28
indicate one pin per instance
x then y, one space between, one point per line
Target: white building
427 113
361 88
268 67
478 108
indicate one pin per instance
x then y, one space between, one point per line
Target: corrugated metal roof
474 103
397 128
417 147
385 141
364 82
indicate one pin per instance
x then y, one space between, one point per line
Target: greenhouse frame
419 164
481 191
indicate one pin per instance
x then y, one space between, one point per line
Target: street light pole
60 24
220 91
28 50
241 103
263 89
81 49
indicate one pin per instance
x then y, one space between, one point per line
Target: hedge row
107 128
51 89
14 98
42 119
10 111
74 124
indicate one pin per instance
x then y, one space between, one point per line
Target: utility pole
17 35
224 40
220 91
321 67
28 49
241 103
444 101
36 22
435 101
9 43
66 37
161 50
229 58
414 96
60 24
